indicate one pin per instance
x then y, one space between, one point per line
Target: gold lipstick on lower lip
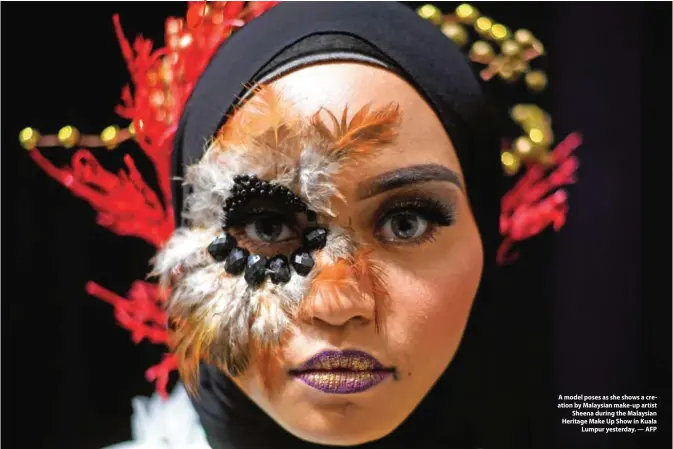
342 372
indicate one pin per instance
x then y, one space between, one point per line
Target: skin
431 284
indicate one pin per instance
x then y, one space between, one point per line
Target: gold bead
467 13
536 80
523 147
109 137
510 48
507 74
483 25
521 112
499 32
456 33
68 136
481 52
510 162
536 135
132 129
538 47
524 37
29 137
540 136
431 13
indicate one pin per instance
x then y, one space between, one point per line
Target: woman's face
407 201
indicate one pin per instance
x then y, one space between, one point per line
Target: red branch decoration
525 210
162 81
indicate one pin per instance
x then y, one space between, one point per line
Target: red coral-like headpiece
162 81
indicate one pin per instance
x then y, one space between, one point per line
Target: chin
340 426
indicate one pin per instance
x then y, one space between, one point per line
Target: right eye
270 229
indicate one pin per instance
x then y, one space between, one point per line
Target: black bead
220 248
237 178
235 262
311 216
252 191
315 238
245 178
262 191
302 262
279 268
255 270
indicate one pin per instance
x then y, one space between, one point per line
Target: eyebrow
401 177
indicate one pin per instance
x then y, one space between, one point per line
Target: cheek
430 302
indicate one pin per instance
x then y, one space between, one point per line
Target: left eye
404 226
268 230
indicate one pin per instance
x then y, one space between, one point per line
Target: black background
592 309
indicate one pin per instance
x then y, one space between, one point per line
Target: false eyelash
245 217
434 211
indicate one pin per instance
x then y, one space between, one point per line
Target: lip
342 372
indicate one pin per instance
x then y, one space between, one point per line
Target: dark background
586 311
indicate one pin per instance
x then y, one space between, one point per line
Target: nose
340 309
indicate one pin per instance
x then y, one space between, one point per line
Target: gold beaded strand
69 137
506 55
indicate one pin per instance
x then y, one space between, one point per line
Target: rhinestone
315 238
279 268
302 261
235 262
255 270
220 248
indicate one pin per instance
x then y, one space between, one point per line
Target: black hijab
390 35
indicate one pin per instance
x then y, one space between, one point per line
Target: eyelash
436 213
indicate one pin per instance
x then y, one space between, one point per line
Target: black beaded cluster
249 187
255 267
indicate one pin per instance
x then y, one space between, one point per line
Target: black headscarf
296 34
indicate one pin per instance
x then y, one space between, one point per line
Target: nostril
332 322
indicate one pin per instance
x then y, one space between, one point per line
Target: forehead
335 86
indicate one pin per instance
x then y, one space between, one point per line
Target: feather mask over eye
265 148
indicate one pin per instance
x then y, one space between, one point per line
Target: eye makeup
412 218
265 214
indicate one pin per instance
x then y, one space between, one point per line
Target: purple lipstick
342 372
